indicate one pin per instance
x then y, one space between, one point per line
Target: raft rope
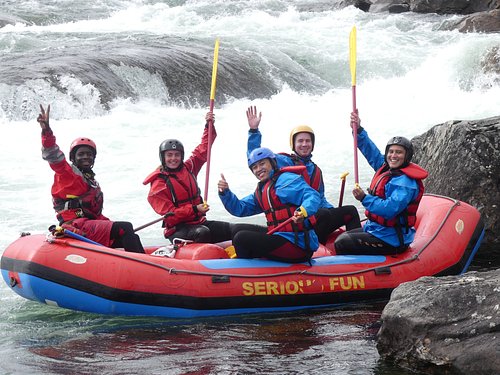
172 270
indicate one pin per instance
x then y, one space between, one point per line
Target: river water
130 73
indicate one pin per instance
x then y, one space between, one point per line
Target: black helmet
403 142
170 145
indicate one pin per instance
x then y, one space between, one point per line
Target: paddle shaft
280 225
209 152
211 123
342 187
153 221
352 63
355 138
79 237
148 224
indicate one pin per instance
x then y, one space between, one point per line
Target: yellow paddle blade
214 69
352 54
344 175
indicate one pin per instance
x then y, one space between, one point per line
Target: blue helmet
259 154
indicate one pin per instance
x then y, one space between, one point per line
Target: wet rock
486 22
6 19
482 15
451 6
399 8
463 160
490 64
325 5
363 5
437 6
444 325
384 5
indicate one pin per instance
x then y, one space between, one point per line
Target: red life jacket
183 189
316 179
88 204
277 212
377 188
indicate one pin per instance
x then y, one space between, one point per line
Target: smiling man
392 200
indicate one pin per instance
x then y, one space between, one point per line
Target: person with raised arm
392 200
174 189
76 194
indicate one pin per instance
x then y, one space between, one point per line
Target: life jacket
377 188
315 180
88 204
183 190
276 211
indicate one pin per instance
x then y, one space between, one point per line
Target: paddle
352 63
57 229
277 228
342 187
153 221
211 124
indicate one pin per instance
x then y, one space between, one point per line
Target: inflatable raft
201 280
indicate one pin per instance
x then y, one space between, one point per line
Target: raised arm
369 150
254 135
199 155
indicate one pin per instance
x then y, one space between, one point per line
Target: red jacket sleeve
200 153
66 180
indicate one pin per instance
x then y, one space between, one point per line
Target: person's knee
127 226
342 241
238 238
339 245
237 228
201 234
239 243
123 227
322 213
351 218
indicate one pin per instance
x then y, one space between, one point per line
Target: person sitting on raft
77 196
302 141
392 200
174 189
281 194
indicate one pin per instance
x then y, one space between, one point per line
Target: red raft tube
201 280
